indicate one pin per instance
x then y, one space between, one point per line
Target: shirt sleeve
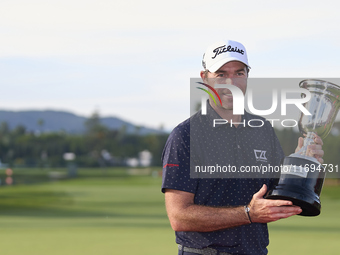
176 161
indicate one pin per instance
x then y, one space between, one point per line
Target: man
223 215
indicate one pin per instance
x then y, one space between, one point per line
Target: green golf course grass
114 213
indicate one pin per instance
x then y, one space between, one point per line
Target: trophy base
310 206
302 185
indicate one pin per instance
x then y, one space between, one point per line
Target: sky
134 59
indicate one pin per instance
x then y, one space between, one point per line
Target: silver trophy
302 176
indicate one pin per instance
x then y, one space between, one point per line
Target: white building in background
132 162
145 158
69 156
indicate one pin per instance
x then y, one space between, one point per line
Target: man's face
231 73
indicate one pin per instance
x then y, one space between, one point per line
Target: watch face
248 209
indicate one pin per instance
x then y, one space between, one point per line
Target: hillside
56 121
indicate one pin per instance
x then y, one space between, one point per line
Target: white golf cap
223 52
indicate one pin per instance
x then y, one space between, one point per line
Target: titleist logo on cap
222 49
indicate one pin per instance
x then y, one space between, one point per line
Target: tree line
21 148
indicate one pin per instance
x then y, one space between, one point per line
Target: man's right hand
266 210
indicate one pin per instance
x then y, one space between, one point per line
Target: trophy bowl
302 176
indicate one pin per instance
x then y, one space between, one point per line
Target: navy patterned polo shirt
221 145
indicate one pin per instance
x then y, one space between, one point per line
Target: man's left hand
313 150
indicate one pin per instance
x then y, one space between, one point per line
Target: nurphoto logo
239 100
